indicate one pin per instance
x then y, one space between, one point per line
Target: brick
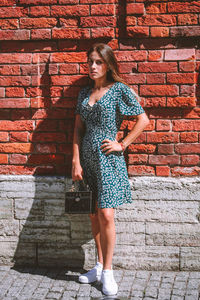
10 70
186 125
13 12
185 171
163 125
187 90
69 10
38 34
68 80
181 78
179 54
142 148
186 6
187 148
68 57
157 67
15 92
137 31
192 113
156 20
15 34
3 158
181 102
187 19
98 21
155 55
156 8
45 148
131 21
165 113
69 22
7 2
22 58
37 2
166 149
140 170
155 102
17 159
188 137
105 9
48 137
164 159
97 1
162 171
150 126
102 33
137 158
9 24
65 148
135 78
19 136
187 66
15 81
17 170
36 11
37 23
72 33
159 32
16 125
155 78
3 136
162 137
185 31
134 8
2 92
68 1
46 159
129 67
159 90
15 147
14 103
46 125
188 160
131 55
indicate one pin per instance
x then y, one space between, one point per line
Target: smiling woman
98 156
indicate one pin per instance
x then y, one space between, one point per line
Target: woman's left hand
110 146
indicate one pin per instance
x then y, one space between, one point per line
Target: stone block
29 208
172 234
6 208
9 230
190 258
131 233
146 257
15 253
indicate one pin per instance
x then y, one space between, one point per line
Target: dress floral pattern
106 174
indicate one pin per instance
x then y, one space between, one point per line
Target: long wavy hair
107 54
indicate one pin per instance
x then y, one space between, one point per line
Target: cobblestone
58 284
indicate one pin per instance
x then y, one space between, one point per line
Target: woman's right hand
77 172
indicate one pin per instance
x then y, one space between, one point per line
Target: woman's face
97 67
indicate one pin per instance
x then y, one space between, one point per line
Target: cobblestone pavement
34 283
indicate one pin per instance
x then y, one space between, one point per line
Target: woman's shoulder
122 86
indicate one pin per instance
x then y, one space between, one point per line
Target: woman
98 156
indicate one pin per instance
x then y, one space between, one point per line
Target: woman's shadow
49 237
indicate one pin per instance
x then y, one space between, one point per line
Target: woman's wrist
123 145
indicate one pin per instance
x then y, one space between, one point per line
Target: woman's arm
141 122
79 129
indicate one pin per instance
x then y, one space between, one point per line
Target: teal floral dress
106 174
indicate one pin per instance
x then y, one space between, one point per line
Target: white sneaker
93 275
110 286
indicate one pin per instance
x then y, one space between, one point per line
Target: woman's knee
106 215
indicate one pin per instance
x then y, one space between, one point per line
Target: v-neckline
90 90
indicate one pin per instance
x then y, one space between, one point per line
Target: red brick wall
43 47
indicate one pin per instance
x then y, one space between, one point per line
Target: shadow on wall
48 237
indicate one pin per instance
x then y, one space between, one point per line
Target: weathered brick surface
40 78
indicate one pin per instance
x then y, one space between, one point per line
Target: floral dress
106 174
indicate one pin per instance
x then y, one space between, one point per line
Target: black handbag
79 198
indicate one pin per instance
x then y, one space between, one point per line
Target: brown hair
107 54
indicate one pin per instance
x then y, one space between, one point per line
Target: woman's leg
107 235
96 234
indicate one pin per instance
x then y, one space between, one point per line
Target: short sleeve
128 104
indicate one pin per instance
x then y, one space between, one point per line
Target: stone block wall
158 231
